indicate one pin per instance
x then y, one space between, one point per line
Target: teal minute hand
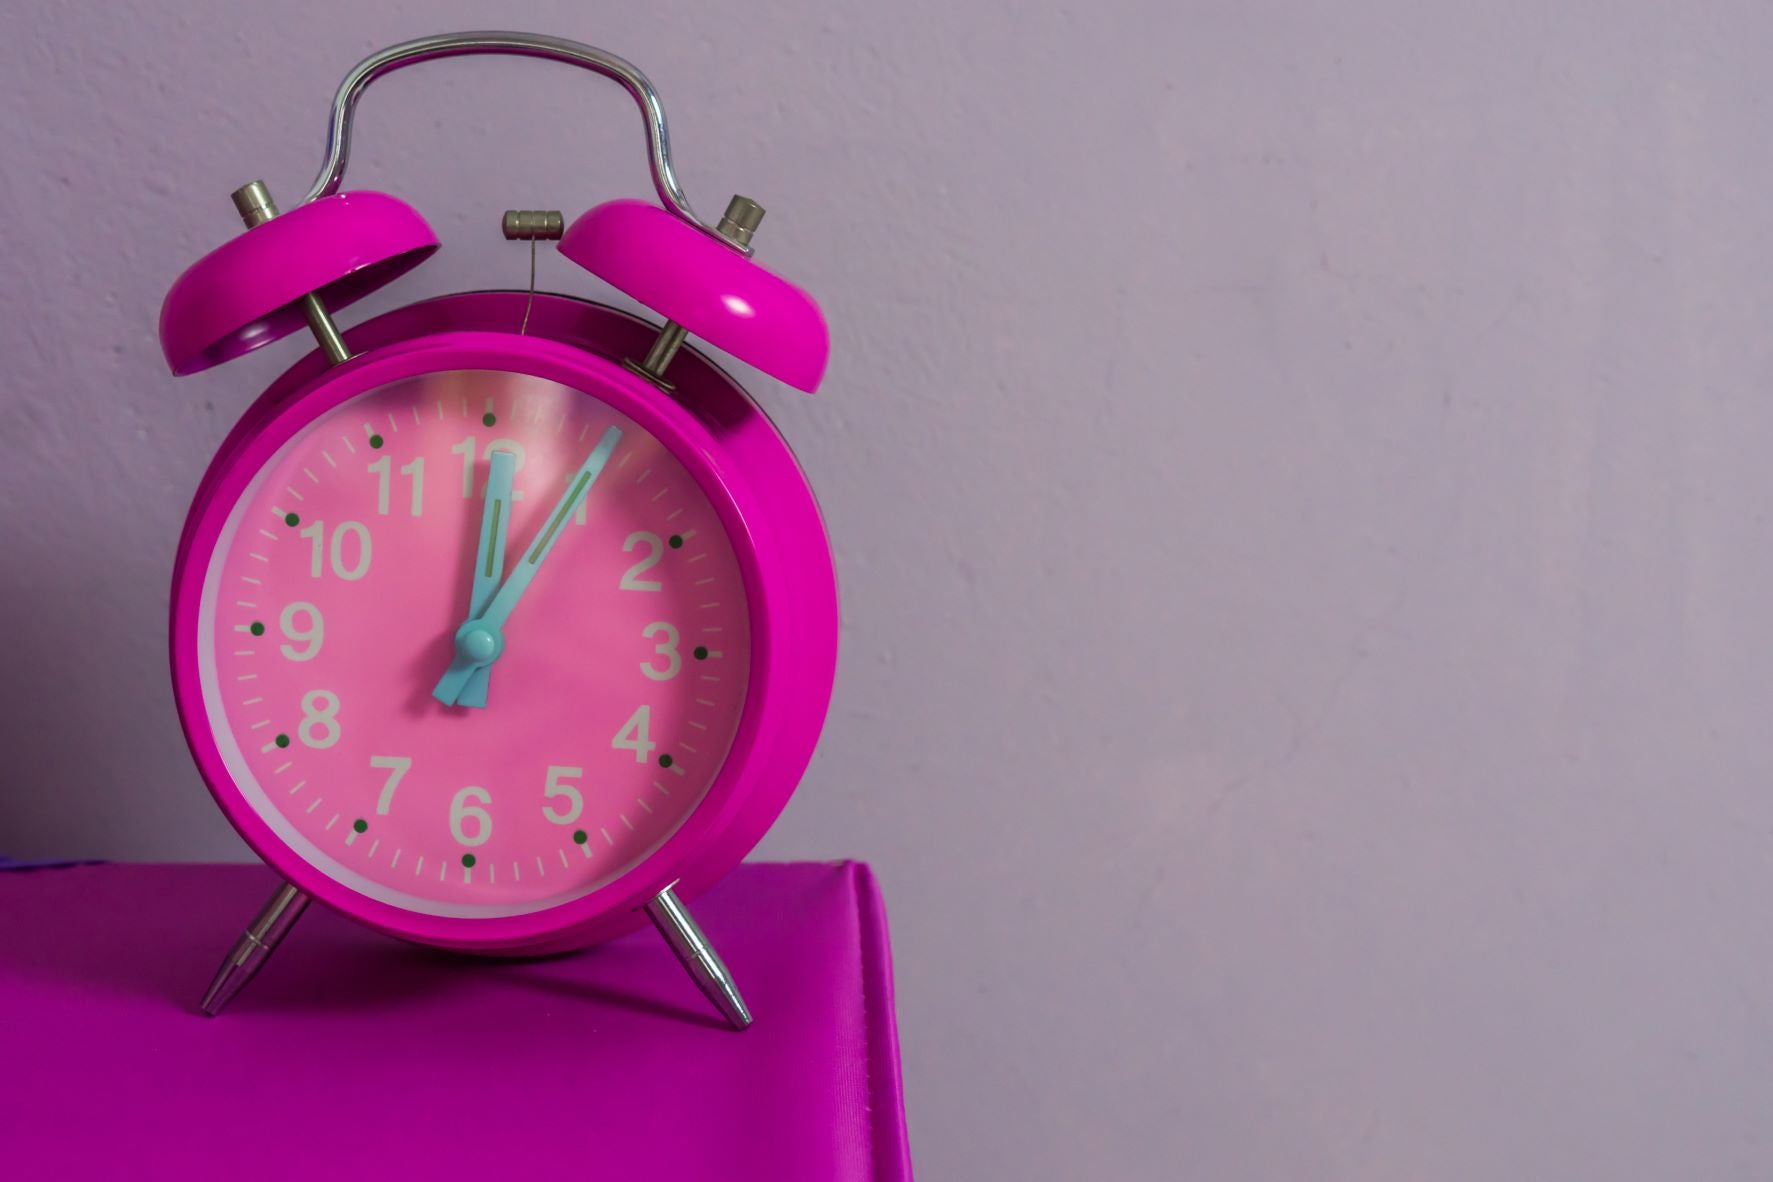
489 562
481 639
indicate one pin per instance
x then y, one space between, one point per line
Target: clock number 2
655 549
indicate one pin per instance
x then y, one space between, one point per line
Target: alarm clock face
329 610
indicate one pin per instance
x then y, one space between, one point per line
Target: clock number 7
396 766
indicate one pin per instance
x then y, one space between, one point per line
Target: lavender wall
1299 479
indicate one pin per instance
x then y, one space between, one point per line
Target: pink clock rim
688 441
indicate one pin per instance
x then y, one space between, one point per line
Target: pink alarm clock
501 622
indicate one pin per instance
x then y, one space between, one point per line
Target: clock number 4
634 735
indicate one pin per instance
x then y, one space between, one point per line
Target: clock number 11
415 472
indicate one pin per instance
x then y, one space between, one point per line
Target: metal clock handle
557 49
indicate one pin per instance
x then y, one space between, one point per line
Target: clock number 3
666 648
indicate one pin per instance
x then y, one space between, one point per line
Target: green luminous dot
579 836
258 629
375 441
489 418
283 740
360 824
677 541
664 761
291 519
468 861
701 652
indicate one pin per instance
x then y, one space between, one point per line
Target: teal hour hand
489 562
481 638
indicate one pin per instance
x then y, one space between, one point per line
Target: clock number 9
557 786
459 811
312 636
666 648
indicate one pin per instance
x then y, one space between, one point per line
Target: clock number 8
320 726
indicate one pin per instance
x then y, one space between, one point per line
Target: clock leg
705 967
255 947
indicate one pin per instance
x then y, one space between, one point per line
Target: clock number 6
459 811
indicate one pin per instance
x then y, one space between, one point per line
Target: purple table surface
356 1056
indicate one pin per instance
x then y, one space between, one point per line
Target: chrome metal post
255 947
698 956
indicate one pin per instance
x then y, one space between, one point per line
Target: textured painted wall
1299 479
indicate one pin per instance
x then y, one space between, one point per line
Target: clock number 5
666 648
557 786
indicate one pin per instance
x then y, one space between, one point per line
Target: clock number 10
336 552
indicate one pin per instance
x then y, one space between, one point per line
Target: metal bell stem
737 225
256 208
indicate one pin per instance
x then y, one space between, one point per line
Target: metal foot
705 967
255 947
